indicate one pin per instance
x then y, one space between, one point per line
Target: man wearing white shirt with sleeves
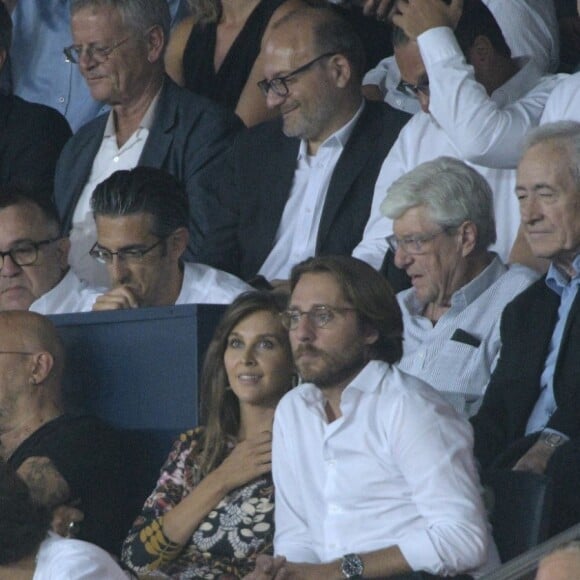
477 105
374 472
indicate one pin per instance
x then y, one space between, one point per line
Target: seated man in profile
34 271
374 472
142 219
443 223
64 460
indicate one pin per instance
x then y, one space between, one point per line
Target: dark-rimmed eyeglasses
105 256
319 316
279 85
414 90
25 253
94 52
415 244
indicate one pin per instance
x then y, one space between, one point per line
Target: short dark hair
23 194
371 296
476 20
23 524
144 189
5 28
333 33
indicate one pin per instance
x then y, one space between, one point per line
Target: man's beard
337 368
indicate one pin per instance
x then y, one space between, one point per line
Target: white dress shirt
69 295
109 158
457 367
463 121
67 558
564 102
395 469
205 285
298 230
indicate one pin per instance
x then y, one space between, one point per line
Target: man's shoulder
517 276
205 284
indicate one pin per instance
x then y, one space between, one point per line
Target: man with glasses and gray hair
34 271
119 47
443 224
141 217
302 185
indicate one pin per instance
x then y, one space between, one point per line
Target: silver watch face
352 566
553 439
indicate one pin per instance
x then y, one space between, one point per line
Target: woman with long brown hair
211 512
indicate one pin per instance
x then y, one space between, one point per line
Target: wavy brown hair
220 408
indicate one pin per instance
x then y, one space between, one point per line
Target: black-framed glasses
25 253
279 84
130 255
319 316
414 90
99 54
414 244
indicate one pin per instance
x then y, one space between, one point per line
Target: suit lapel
350 164
161 135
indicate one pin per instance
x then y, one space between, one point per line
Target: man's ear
42 363
340 69
468 234
155 43
177 242
63 248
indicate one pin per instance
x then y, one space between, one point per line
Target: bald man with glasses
301 185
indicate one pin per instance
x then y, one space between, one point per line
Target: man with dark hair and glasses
374 472
119 47
443 224
141 218
477 104
34 271
302 184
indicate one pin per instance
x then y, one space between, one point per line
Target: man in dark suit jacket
301 185
31 136
530 416
153 122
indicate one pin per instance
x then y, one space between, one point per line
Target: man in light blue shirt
530 416
39 70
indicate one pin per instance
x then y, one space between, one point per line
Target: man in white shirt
374 472
302 184
477 105
34 272
443 225
119 48
141 216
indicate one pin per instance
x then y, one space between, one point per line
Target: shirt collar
145 123
557 280
338 139
476 287
519 84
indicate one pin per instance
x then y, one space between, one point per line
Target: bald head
28 332
563 564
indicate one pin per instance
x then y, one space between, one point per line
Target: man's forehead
23 220
317 288
287 48
127 229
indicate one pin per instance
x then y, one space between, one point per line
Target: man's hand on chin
119 298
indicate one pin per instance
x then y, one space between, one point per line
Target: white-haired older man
443 227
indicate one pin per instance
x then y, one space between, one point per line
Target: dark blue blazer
189 133
250 192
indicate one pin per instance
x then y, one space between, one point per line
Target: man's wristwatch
551 439
352 566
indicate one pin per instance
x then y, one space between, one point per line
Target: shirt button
61 99
331 462
116 159
333 509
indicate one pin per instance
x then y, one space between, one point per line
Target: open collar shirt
395 469
457 355
464 122
298 230
109 158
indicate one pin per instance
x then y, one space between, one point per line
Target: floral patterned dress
227 540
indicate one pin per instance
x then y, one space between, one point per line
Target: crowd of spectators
396 243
